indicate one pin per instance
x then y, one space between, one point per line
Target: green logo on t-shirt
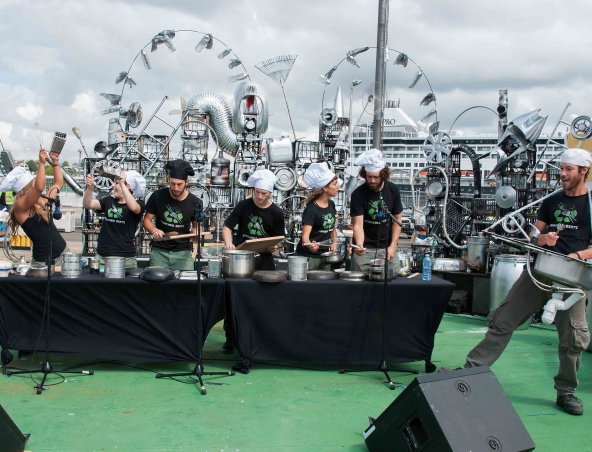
255 226
328 221
566 214
173 215
373 210
115 212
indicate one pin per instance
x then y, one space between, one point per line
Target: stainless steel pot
331 257
238 263
477 251
376 271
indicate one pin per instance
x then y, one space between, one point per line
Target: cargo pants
522 301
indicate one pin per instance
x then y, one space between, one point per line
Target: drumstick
413 275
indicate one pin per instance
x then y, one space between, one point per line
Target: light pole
352 127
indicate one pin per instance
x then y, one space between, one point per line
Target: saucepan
331 257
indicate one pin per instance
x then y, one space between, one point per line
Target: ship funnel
338 105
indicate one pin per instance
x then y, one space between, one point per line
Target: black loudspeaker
461 410
11 438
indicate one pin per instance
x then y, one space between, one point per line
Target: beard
572 182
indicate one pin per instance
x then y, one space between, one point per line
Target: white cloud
29 111
84 102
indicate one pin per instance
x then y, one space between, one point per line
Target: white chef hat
136 182
16 180
318 175
578 157
263 179
371 160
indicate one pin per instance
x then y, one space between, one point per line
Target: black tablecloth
112 319
336 322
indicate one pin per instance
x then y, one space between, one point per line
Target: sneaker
228 346
570 404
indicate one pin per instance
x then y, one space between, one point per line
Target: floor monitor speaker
461 410
11 438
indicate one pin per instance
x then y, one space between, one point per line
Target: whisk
38 134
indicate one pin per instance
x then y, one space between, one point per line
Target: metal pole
381 44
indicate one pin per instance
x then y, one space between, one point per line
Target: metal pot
376 271
331 257
477 251
238 263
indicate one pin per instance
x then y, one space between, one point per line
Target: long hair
38 208
318 192
385 173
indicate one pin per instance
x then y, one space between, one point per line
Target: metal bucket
297 268
238 263
114 267
71 265
280 150
477 251
506 270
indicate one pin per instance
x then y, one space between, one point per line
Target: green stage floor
275 407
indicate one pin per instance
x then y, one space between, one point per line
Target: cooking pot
331 257
376 271
238 263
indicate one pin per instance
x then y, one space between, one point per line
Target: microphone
198 210
57 213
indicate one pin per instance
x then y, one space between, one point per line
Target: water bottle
426 273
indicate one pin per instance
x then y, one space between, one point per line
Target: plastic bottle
426 273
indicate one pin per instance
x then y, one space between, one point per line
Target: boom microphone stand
46 367
383 366
198 371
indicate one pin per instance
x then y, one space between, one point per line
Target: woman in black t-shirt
29 210
122 216
318 219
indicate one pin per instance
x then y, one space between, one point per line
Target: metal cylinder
238 263
297 268
506 270
71 265
114 267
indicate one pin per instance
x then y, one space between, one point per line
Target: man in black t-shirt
375 234
570 208
122 216
172 208
256 218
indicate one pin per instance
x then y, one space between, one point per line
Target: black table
110 319
336 322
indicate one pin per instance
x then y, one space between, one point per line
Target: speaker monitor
461 410
11 438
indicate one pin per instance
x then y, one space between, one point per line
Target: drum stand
46 367
383 366
198 371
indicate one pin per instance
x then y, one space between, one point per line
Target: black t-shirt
172 215
254 222
38 230
366 202
322 221
574 213
118 230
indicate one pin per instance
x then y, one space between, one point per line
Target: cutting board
260 245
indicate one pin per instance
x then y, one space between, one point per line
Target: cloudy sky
56 57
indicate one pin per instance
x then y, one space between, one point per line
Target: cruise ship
404 140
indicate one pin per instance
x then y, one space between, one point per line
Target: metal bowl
331 257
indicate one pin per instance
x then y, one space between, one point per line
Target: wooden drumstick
413 275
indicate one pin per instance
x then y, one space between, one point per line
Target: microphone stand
198 371
383 366
46 367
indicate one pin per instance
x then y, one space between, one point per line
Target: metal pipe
71 182
381 44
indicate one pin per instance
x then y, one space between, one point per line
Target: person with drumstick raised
123 214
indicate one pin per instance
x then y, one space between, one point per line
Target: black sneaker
571 404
